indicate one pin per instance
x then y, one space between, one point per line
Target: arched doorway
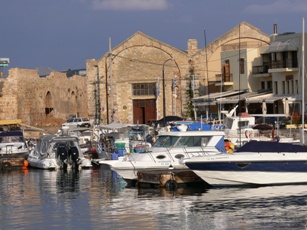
48 103
73 104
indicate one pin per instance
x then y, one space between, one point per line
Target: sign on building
4 62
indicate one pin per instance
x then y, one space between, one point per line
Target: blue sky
63 34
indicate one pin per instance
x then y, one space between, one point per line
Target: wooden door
144 111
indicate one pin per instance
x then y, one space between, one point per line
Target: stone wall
27 96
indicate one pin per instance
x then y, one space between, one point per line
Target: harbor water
98 199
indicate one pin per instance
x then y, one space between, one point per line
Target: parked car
77 122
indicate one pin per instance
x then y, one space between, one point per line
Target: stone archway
48 103
73 104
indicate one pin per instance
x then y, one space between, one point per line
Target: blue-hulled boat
255 163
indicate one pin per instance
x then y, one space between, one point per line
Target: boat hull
258 163
128 170
54 164
256 169
229 178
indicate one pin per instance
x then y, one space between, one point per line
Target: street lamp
163 83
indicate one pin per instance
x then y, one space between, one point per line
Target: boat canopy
267 146
11 133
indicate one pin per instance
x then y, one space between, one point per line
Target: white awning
212 97
269 98
259 98
245 96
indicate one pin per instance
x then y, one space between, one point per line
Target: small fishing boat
58 152
118 139
13 148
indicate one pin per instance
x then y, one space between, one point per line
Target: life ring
248 134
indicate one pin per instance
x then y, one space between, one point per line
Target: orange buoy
25 163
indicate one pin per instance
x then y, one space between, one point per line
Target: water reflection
98 199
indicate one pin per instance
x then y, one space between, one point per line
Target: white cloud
129 4
278 6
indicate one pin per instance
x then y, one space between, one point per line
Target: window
270 85
283 87
241 65
262 85
143 89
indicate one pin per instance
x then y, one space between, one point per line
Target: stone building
27 96
130 77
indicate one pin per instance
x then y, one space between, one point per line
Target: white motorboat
12 144
255 163
13 147
242 129
166 152
58 152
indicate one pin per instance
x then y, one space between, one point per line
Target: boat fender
248 134
171 185
25 163
6 165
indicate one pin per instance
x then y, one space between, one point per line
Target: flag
158 88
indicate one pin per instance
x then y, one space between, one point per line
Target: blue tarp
199 126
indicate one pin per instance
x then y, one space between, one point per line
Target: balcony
220 80
261 71
265 70
286 65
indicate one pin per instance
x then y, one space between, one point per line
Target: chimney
275 28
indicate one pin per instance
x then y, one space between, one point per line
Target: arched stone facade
140 59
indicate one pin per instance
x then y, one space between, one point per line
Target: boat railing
151 156
201 152
8 149
168 151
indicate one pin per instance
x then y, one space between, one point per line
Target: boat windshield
165 141
183 141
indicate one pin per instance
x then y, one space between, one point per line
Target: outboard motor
74 153
62 152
